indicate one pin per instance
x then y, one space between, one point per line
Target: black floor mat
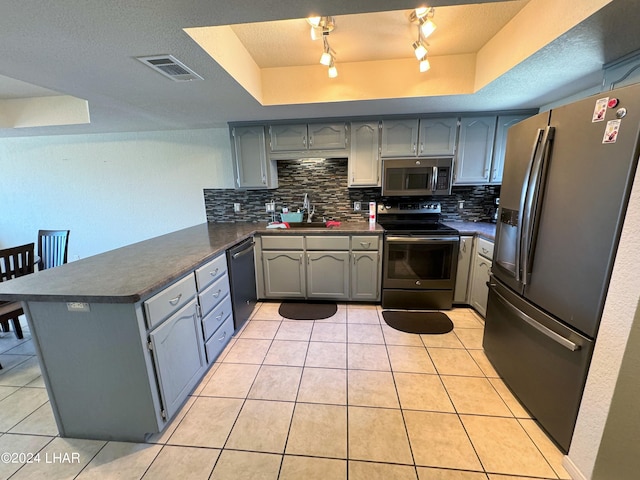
418 322
307 310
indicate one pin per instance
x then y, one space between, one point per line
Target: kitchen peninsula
119 335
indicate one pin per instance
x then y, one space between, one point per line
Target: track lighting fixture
326 58
324 26
426 27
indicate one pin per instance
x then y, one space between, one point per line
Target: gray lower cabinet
479 291
465 254
365 276
330 267
328 275
178 355
284 274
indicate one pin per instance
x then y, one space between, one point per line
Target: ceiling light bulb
424 65
314 21
326 59
427 27
333 71
421 11
314 34
419 49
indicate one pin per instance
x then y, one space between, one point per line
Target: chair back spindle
53 246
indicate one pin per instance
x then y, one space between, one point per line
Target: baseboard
572 470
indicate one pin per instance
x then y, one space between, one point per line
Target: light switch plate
357 206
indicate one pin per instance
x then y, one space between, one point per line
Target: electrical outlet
357 206
236 207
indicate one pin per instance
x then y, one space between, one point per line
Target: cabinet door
464 267
179 357
365 276
328 275
479 289
327 136
475 150
438 136
399 138
497 166
250 154
283 274
364 160
286 138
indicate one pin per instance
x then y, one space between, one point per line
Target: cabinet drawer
327 242
214 294
160 306
285 242
365 242
213 320
211 271
219 340
485 248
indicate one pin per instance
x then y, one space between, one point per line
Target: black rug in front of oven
434 323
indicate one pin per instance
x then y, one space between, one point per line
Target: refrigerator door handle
535 194
566 343
524 207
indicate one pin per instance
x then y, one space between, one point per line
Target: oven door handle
401 239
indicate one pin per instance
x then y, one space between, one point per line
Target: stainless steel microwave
416 176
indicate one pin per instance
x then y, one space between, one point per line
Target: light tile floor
342 398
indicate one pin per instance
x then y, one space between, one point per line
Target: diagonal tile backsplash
325 181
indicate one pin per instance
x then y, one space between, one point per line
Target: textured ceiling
88 49
376 36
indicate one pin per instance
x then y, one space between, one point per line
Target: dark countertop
135 272
483 229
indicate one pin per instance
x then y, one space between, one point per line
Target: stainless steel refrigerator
565 189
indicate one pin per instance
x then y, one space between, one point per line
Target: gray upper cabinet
364 159
437 136
302 136
475 150
425 137
250 165
399 137
497 165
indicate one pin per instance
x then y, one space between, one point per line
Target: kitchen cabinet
475 150
252 169
303 136
423 137
178 355
482 261
364 157
330 267
437 136
497 164
464 268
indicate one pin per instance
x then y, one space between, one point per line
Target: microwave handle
434 179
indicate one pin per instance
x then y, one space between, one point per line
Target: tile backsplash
325 181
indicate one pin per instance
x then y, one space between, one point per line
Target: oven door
415 262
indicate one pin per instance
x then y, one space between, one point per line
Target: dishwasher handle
244 251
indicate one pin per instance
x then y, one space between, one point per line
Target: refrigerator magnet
600 109
611 132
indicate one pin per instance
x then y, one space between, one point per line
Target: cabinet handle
310 140
215 272
219 317
464 247
365 244
175 301
224 335
217 294
304 141
485 251
354 258
413 148
421 147
300 259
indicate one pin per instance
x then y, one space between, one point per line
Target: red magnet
613 102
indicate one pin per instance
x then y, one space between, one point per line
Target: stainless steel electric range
420 256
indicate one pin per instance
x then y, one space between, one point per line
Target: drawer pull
175 301
365 244
219 317
217 294
215 272
224 335
485 251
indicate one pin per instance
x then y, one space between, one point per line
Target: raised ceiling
86 51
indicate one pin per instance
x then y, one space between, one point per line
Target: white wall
110 190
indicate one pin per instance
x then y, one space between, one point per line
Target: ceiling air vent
170 67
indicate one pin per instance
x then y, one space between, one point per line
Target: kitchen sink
307 224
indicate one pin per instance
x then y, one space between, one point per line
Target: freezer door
524 142
542 361
581 213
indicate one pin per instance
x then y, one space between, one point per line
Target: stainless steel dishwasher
242 279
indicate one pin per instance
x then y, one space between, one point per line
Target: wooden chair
53 246
14 262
